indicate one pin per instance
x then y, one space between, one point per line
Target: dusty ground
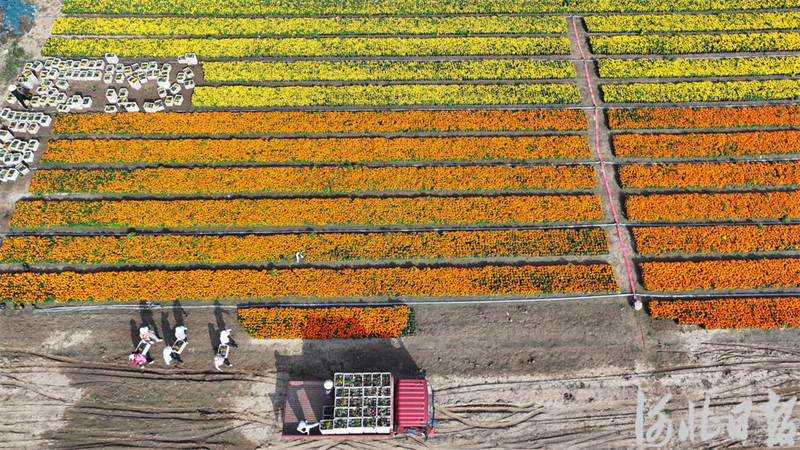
542 375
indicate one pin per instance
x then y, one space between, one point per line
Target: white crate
163 82
112 58
22 169
61 98
162 92
83 75
159 105
5 113
32 145
86 103
150 107
189 84
191 59
6 136
27 157
11 99
12 174
134 82
188 73
62 84
119 78
178 101
131 107
45 120
169 100
175 88
180 78
181 59
32 128
111 96
63 108
12 159
108 78
83 64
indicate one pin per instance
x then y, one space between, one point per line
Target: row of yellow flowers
268 284
328 322
720 274
702 91
182 249
408 94
716 238
746 205
706 144
296 26
695 43
678 67
406 7
272 47
307 211
665 23
302 122
314 179
304 151
487 69
759 312
709 174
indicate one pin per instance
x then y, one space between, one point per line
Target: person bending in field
138 360
20 96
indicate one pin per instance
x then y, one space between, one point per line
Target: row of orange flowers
328 322
710 174
706 144
260 122
716 238
177 249
307 211
353 150
719 274
745 205
315 179
760 312
713 117
267 284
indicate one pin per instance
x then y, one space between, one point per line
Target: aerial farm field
579 219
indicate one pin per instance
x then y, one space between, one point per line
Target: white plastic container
178 101
175 88
111 96
22 169
6 136
111 109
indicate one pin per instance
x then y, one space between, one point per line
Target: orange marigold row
177 249
328 322
307 211
259 122
712 117
709 174
269 284
718 274
717 238
314 179
746 205
769 312
303 150
706 144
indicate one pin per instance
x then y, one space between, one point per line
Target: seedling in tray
383 411
384 401
369 423
386 391
340 423
338 380
358 381
354 423
370 392
355 401
383 421
340 412
341 402
326 425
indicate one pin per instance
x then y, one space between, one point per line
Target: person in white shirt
170 355
146 334
180 333
225 339
219 360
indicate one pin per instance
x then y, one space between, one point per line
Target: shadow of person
134 334
147 317
179 313
169 334
213 336
218 313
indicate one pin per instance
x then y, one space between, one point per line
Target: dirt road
544 375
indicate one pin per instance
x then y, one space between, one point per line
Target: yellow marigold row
269 47
307 211
314 179
266 284
405 7
723 67
695 43
181 249
288 151
664 23
296 26
398 94
486 69
703 91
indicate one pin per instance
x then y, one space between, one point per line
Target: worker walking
20 96
171 355
180 333
139 360
147 335
225 339
220 360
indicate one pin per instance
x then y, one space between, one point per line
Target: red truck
367 405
